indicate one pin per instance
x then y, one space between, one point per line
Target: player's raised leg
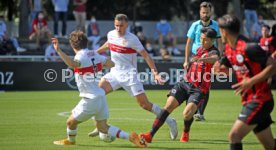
170 105
145 104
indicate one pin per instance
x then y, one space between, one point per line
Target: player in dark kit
252 67
193 88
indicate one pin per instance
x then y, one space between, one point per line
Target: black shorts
185 91
257 113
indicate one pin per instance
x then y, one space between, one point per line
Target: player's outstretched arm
108 63
210 60
103 48
187 53
152 66
68 61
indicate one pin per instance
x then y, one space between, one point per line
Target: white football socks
157 111
118 133
71 134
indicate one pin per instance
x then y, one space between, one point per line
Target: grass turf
30 121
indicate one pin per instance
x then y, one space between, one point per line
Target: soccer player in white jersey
87 65
124 47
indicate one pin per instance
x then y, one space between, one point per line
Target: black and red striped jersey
268 44
199 73
248 60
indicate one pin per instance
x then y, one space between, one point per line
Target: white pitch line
66 114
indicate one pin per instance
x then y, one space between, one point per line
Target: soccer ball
107 138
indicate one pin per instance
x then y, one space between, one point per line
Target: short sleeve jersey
199 74
88 74
124 49
248 60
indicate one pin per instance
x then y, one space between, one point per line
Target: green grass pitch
30 121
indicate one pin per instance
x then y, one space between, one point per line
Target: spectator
166 50
245 31
51 54
142 38
6 41
250 7
138 31
35 7
257 29
164 31
61 8
40 29
150 49
80 13
267 42
137 28
93 33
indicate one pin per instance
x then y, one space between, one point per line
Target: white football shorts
127 81
88 108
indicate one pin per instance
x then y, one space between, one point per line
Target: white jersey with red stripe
88 75
124 49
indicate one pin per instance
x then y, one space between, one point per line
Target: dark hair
230 23
121 17
209 32
266 26
39 12
205 5
78 40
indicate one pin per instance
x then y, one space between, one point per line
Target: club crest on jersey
239 58
173 91
124 42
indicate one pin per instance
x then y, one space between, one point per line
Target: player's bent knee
143 102
71 123
145 106
187 115
105 85
234 137
169 108
189 111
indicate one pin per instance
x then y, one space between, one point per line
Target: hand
158 79
246 83
55 44
186 65
216 67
